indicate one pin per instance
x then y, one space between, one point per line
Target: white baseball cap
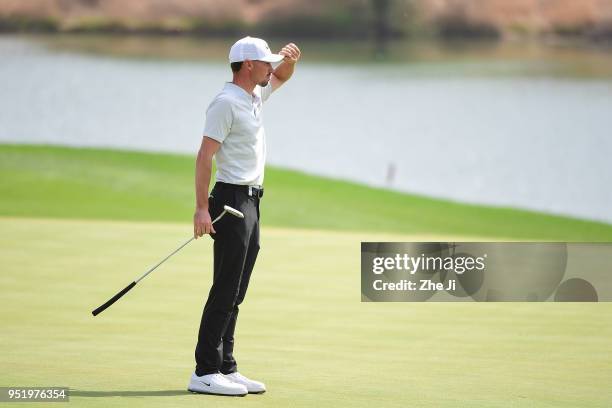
254 49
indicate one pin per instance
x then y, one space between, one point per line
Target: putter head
233 211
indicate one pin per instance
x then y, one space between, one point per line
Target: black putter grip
113 299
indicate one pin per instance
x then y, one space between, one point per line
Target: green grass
302 328
60 182
68 241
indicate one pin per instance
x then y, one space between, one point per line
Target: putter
226 210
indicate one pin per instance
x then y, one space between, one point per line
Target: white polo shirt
234 119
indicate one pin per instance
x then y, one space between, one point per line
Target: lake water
527 127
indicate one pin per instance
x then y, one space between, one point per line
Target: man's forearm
284 71
202 179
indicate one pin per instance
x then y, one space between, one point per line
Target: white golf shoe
216 384
252 386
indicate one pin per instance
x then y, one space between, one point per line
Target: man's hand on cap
291 53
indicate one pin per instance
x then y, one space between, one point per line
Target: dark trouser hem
229 370
200 373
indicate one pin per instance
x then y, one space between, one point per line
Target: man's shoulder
223 100
229 93
225 96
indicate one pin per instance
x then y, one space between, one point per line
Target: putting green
302 329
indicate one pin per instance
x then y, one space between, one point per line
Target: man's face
261 72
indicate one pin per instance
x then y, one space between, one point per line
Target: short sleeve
266 91
218 120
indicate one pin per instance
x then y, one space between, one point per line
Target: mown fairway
302 329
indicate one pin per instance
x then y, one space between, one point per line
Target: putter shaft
125 290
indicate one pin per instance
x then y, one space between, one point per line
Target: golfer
234 135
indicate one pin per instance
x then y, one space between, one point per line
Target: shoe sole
215 393
257 392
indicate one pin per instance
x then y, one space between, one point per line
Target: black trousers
235 251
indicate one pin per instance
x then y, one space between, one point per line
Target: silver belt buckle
250 191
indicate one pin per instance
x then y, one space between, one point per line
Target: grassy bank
59 182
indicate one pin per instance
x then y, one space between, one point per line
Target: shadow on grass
160 393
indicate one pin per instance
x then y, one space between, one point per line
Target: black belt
251 191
